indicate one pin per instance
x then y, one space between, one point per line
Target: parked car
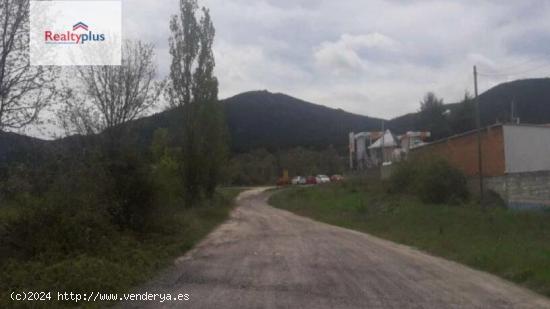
311 180
336 178
299 180
322 179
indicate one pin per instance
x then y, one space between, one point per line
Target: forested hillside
274 121
529 98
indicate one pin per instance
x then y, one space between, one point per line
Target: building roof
388 139
374 134
496 125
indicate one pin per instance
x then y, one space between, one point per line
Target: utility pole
351 138
515 118
512 117
383 142
478 126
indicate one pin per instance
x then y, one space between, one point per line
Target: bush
52 227
68 217
403 178
133 192
104 218
433 180
439 182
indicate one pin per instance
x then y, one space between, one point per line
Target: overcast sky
372 57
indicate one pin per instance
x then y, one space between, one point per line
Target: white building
384 148
369 149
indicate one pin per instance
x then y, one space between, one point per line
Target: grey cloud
376 57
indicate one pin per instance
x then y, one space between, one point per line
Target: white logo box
74 33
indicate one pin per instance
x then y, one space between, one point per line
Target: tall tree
103 99
462 117
108 96
433 116
212 122
24 89
194 89
184 48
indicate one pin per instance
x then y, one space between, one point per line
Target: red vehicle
311 180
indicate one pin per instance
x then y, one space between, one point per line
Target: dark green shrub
439 182
433 180
55 227
165 170
61 213
133 192
403 178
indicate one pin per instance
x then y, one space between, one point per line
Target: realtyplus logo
68 33
79 35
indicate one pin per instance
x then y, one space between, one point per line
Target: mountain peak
262 119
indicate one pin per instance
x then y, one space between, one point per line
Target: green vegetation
193 89
432 116
443 120
432 179
105 221
462 118
80 251
513 245
261 167
95 212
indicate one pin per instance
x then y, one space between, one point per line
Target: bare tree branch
113 95
24 89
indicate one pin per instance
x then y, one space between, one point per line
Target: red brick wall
462 151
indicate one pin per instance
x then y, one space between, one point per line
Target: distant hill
274 120
531 99
260 119
14 146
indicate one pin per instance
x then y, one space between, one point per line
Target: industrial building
515 160
371 149
506 148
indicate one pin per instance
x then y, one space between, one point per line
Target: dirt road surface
269 258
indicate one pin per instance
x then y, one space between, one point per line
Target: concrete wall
521 190
386 171
526 148
361 152
461 151
516 161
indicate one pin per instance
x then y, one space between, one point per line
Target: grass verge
124 261
513 245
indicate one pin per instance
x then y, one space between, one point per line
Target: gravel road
269 258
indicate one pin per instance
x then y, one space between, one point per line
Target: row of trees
260 167
436 117
101 100
102 210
